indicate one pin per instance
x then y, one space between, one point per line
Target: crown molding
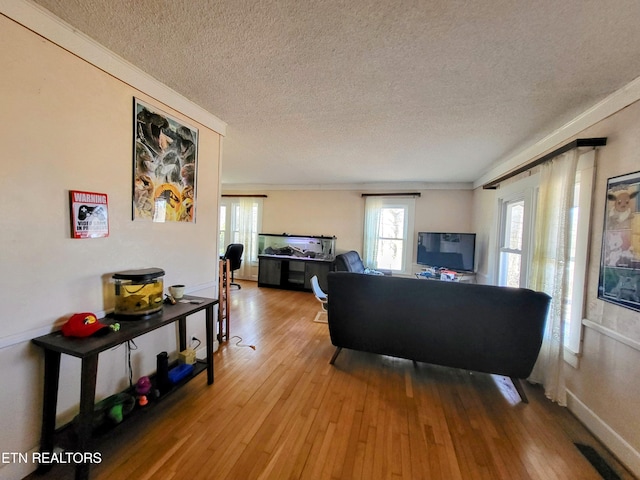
44 23
369 187
613 103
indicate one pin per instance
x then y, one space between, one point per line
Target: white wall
484 205
604 390
67 125
341 213
316 212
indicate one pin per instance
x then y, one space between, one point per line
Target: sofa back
476 327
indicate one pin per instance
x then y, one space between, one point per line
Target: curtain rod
403 194
580 142
259 196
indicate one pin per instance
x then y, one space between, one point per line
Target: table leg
210 337
85 417
49 404
182 333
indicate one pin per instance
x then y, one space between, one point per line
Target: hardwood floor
280 411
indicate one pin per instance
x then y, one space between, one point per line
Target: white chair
321 316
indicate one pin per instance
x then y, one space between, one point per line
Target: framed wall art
89 214
165 160
619 281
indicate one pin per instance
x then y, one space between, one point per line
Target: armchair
349 262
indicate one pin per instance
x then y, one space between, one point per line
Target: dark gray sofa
474 327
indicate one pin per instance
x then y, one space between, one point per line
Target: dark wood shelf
66 435
81 430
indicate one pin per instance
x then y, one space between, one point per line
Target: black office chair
234 255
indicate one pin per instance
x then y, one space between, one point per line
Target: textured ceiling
363 91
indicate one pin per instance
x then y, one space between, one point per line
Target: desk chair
321 316
234 255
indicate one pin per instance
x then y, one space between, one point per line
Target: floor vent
598 462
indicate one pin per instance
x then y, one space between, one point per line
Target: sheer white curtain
372 208
247 222
550 268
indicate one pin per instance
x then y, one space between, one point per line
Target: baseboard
617 445
17 467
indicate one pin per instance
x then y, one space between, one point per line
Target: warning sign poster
89 214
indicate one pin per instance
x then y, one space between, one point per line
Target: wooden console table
88 349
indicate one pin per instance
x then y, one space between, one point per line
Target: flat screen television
454 251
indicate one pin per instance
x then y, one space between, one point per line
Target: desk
88 349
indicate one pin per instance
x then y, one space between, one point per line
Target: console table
292 273
88 349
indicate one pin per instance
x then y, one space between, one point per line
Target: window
580 226
516 213
391 238
222 243
511 248
388 237
240 222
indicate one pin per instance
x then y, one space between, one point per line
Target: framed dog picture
619 281
165 160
